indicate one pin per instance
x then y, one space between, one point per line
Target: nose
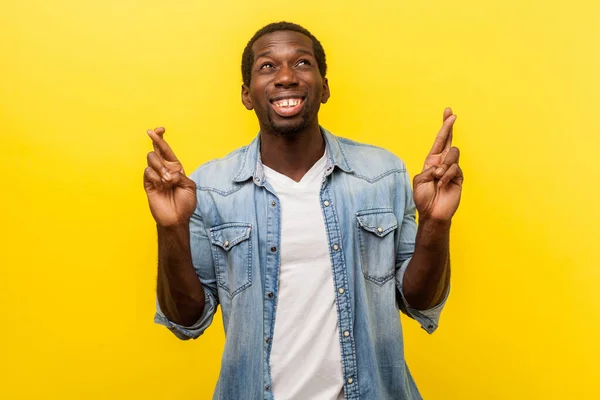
285 77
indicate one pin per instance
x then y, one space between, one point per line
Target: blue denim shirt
369 214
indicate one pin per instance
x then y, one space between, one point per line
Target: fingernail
149 131
167 176
439 171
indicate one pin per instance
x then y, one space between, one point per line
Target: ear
247 98
326 93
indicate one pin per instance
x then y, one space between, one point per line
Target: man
307 241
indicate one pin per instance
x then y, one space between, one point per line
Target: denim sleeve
198 328
429 319
203 264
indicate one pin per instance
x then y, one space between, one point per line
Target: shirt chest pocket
376 230
232 253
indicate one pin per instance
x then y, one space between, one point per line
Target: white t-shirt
306 361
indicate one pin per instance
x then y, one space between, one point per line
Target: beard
289 127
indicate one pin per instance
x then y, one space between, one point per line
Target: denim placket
343 303
271 271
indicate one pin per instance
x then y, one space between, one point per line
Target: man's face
286 88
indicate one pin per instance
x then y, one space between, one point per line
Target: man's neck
292 155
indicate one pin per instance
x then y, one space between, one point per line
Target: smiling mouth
292 102
288 107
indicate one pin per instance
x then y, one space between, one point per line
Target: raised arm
172 200
437 190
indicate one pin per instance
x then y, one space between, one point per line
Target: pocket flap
378 222
228 235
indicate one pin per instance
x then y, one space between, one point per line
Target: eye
303 62
266 65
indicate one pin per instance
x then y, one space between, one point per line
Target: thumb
426 176
178 178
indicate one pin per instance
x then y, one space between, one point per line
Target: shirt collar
251 166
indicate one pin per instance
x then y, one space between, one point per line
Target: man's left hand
438 187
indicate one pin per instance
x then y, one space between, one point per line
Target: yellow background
81 81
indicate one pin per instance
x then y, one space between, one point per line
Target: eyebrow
263 54
268 52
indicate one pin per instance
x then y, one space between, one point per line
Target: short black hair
248 55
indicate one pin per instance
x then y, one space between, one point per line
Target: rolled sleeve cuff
198 328
429 319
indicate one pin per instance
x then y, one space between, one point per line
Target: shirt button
380 229
273 249
270 295
267 388
268 340
341 290
336 247
350 380
346 333
226 243
326 202
273 204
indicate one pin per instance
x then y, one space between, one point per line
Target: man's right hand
171 194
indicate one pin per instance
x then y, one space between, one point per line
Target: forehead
282 42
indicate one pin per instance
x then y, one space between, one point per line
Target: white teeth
287 102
